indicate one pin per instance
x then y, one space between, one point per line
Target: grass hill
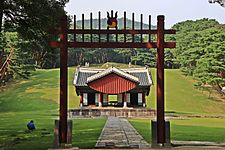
181 97
43 88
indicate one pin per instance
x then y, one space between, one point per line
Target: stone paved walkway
119 133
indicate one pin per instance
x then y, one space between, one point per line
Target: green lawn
14 134
194 129
87 132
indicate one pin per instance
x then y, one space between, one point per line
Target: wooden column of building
107 99
63 82
160 81
81 100
124 100
143 99
100 100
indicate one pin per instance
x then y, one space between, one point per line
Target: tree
200 51
191 43
32 21
221 2
31 15
210 68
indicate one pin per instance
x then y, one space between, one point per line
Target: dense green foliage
201 51
24 34
21 63
30 18
32 21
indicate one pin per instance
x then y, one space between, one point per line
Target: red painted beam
113 45
169 45
54 44
160 81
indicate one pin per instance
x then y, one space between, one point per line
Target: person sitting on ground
31 125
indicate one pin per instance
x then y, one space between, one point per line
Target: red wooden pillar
63 82
160 80
81 100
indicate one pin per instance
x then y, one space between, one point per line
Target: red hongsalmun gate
160 44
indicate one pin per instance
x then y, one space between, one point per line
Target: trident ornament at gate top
112 21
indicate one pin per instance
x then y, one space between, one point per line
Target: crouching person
31 125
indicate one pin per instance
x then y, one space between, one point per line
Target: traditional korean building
129 87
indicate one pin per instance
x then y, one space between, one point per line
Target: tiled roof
142 77
85 75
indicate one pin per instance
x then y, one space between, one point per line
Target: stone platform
111 111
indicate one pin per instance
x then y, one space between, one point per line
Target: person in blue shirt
31 125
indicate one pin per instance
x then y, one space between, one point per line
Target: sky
174 10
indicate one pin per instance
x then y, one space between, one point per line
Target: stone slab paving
119 133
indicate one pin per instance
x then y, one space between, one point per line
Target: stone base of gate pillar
154 135
56 143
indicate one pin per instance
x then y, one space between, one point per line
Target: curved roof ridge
142 69
84 69
112 70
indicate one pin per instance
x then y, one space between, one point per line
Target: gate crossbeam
125 31
113 44
105 31
117 44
